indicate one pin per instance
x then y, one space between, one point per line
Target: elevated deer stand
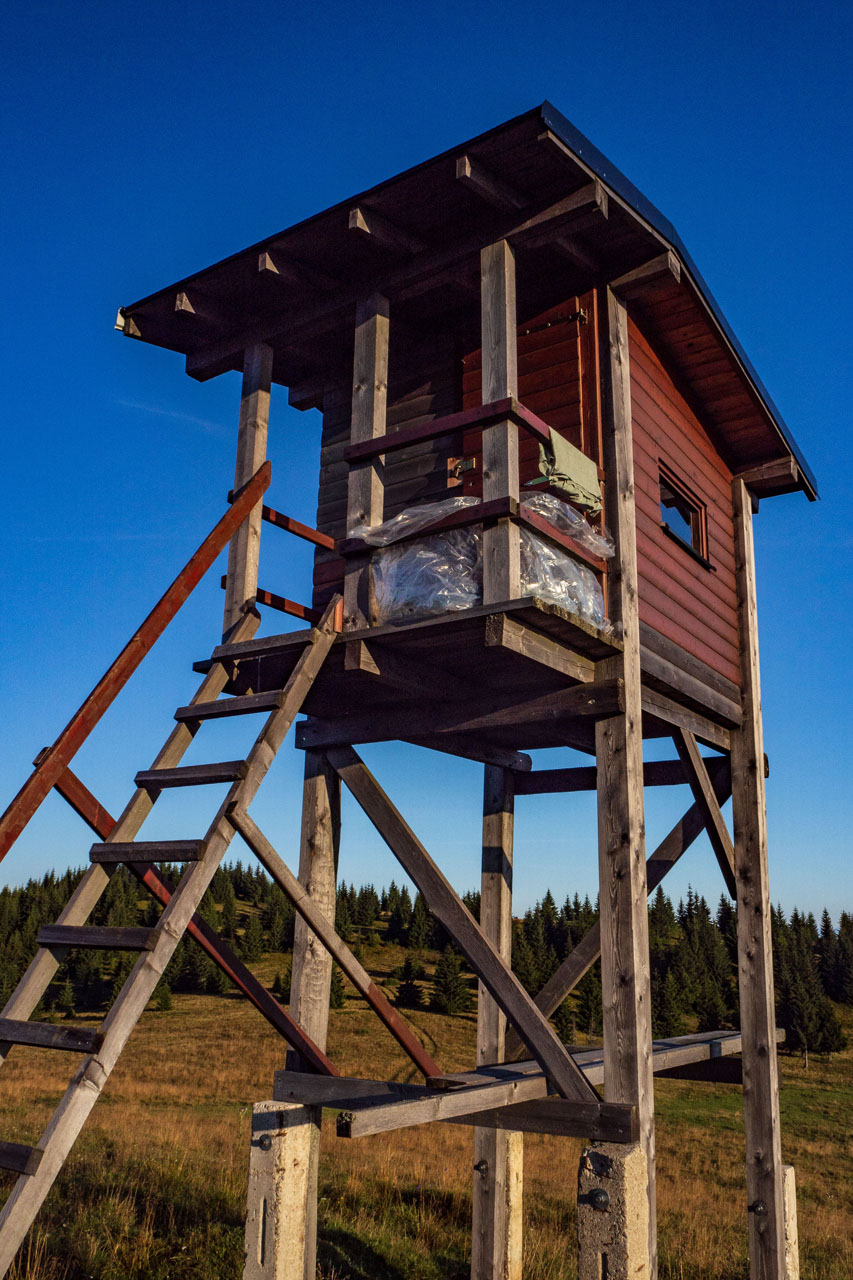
537 299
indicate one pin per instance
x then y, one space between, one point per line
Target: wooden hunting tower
511 319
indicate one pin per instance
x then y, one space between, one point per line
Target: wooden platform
511 1096
515 676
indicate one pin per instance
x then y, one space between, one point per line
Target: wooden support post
496 1244
755 953
312 964
626 996
243 551
364 487
501 546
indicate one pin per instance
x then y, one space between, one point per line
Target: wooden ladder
38 1166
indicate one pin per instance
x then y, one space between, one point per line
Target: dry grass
155 1188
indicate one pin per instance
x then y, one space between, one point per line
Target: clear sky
142 143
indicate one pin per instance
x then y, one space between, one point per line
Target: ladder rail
41 781
84 899
88 1082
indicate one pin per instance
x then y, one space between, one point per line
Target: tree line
693 952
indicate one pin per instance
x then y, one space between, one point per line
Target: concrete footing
279 1165
613 1213
792 1240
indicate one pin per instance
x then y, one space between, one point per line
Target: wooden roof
574 219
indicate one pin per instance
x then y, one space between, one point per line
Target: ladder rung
148 851
102 937
243 706
193 775
17 1158
45 1035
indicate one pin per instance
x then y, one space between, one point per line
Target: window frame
697 517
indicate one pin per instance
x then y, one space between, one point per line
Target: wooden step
102 937
45 1035
192 775
244 706
148 851
17 1158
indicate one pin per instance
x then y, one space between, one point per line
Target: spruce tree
450 993
337 990
409 994
420 926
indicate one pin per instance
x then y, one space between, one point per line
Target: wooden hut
507 320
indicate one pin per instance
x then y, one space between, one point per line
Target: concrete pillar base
792 1240
279 1165
613 1213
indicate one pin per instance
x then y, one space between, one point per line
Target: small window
682 515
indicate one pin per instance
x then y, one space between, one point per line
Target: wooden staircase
38 1166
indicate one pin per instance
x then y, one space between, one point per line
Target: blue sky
142 144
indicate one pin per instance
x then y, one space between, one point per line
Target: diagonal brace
581 959
445 904
703 794
331 940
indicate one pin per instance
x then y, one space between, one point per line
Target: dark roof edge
613 177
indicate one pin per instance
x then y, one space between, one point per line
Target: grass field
155 1186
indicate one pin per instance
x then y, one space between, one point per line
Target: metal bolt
599 1199
265 1142
481 1167
759 1208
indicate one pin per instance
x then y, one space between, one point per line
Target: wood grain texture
626 995
365 486
244 550
501 544
496 1232
755 953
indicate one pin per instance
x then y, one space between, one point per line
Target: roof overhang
416 238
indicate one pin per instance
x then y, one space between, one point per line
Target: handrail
52 762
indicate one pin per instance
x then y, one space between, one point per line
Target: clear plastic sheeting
443 571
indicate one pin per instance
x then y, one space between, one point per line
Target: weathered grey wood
592 701
703 794
49 1035
501 544
656 667
147 851
602 1122
507 633
85 897
676 657
18 1158
252 704
243 552
501 983
312 964
364 486
321 926
496 1238
665 267
28 1194
100 937
192 775
626 995
658 705
755 953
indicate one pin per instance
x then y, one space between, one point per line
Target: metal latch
456 468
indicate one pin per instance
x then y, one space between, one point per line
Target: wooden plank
334 944
755 951
244 549
252 704
496 1236
296 527
147 851
365 485
48 1035
571 211
587 701
476 177
663 708
711 1071
101 937
626 995
506 633
192 775
665 268
657 668
656 773
703 794
386 665
470 748
501 542
481 415
604 1122
500 982
18 1158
